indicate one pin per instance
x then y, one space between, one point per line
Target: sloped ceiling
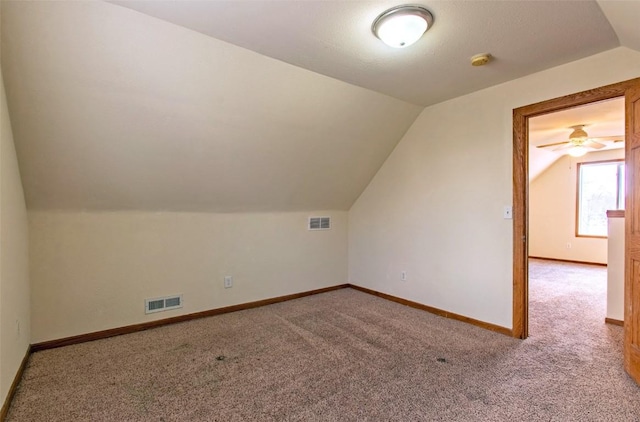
624 17
334 38
225 106
601 119
115 110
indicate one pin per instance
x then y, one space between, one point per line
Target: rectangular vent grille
162 304
154 305
319 223
172 302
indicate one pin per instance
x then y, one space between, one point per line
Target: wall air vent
319 223
162 304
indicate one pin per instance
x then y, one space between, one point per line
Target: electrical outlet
403 276
228 281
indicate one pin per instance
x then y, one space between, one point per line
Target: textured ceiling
624 17
115 110
602 119
334 38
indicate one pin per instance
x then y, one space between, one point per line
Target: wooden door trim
632 235
521 118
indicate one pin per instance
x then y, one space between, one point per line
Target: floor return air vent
162 304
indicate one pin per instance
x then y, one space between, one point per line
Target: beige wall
435 208
92 271
615 270
552 212
155 116
14 258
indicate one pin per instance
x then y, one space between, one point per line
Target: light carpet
349 356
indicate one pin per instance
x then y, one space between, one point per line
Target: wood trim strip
576 216
97 335
615 214
581 98
614 321
14 386
521 117
569 260
436 311
520 286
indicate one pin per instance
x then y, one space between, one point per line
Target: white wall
92 271
552 212
615 269
14 257
435 207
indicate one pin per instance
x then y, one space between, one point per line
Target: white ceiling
250 106
334 38
624 17
602 119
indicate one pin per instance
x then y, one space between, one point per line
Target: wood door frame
521 118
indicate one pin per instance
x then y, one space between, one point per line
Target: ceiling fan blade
590 143
593 144
619 138
566 145
551 145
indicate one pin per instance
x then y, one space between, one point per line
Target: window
600 188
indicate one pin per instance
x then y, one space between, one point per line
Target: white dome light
402 26
577 151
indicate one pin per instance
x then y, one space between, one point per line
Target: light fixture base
578 133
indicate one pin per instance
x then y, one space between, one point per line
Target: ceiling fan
580 143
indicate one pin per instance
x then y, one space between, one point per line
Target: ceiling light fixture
402 26
578 137
578 134
577 151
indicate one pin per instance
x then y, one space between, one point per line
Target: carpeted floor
349 356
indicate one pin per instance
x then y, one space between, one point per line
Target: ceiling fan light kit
402 26
578 133
577 151
579 142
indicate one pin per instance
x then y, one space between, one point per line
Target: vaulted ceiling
334 38
227 106
601 119
115 110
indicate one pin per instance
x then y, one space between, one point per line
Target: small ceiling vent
319 223
162 304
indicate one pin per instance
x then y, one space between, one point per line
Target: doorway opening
576 175
521 151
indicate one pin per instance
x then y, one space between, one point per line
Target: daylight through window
600 188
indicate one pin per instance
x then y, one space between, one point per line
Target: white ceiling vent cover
319 223
162 304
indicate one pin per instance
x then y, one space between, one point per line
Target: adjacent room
310 210
576 195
